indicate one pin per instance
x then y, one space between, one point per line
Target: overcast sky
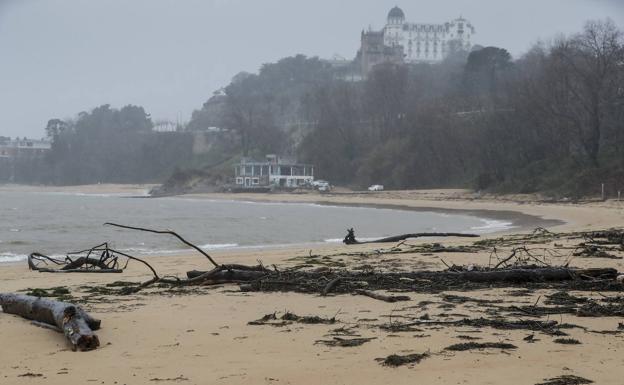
60 57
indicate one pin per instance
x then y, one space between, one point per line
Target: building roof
396 13
25 143
281 161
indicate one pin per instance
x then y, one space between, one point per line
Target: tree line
106 145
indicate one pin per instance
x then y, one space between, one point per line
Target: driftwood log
76 324
543 274
381 297
351 240
350 282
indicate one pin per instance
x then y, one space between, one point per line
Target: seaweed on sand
480 346
566 380
345 342
289 318
396 360
567 341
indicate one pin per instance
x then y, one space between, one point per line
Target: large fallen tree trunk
342 282
350 238
544 274
71 320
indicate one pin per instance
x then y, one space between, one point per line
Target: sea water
56 223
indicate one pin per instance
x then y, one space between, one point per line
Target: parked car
321 185
376 187
320 182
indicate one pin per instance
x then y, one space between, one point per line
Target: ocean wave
10 257
209 246
219 246
14 243
492 225
144 193
145 251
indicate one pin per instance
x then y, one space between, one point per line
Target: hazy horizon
62 57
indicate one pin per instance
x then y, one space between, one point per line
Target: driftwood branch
351 240
381 297
85 261
167 232
108 262
220 274
76 324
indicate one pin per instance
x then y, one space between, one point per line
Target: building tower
393 33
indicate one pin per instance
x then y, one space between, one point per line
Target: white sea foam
492 225
146 251
217 246
10 257
143 193
209 246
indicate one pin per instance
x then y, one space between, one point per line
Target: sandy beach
202 336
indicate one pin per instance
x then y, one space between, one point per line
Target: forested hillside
551 120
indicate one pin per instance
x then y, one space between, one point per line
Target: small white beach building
274 171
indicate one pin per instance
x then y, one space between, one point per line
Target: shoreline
559 216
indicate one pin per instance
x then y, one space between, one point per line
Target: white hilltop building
405 42
423 42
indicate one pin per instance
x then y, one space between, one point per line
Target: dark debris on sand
395 360
480 346
566 380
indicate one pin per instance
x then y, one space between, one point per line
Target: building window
255 181
239 180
